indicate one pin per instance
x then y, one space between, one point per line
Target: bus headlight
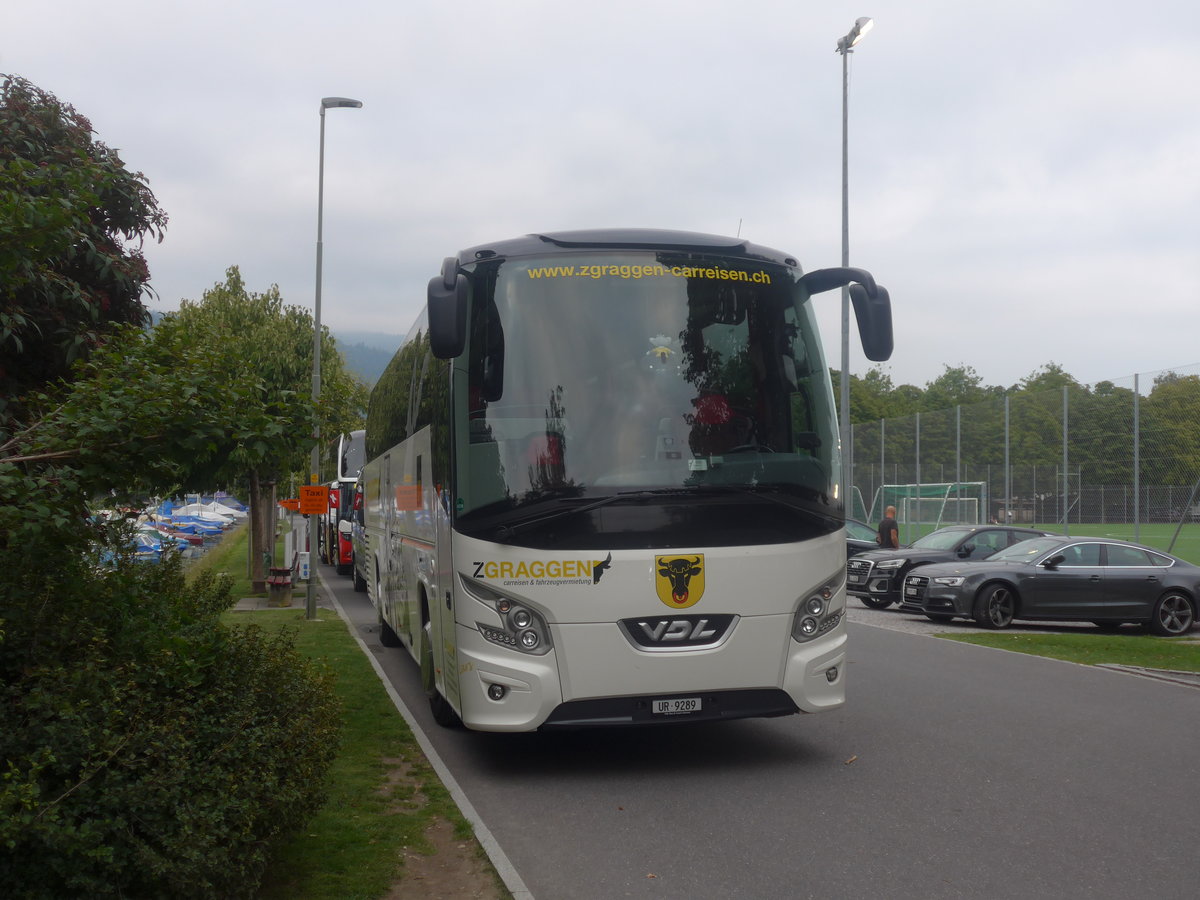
820 611
522 629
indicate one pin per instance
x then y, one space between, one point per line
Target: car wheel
1174 614
875 603
941 618
995 607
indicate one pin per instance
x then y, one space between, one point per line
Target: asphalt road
953 771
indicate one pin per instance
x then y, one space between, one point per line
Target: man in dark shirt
889 533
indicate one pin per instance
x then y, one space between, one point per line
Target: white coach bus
602 483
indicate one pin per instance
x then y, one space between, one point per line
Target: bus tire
387 635
443 712
360 583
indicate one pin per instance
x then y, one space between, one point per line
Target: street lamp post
845 46
310 606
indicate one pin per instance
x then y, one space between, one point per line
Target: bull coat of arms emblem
679 580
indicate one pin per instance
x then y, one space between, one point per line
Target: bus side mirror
447 299
872 306
873 310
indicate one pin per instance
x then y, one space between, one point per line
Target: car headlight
949 580
889 564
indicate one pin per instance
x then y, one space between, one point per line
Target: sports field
1158 535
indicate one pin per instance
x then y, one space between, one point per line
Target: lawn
1096 648
384 796
1159 535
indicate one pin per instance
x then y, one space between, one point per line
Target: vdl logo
679 581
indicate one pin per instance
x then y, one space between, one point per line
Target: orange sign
314 499
408 496
291 503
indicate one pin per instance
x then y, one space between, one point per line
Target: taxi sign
314 500
291 503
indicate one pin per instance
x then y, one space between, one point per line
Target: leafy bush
149 751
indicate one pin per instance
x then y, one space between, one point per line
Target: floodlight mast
845 46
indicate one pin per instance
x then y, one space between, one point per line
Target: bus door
392 547
438 504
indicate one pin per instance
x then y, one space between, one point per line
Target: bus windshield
629 374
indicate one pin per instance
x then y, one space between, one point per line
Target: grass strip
228 557
1141 650
383 794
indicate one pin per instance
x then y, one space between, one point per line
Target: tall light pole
845 46
310 606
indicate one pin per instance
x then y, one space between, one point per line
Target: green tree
148 749
957 386
269 344
1171 429
72 223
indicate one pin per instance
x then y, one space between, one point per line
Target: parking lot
917 624
895 620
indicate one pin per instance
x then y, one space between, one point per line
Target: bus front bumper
594 677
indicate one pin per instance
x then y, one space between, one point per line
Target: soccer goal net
946 503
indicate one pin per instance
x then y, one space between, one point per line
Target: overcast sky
1024 175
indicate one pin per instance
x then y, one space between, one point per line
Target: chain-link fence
1122 453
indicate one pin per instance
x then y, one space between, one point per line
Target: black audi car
1104 581
859 537
875 576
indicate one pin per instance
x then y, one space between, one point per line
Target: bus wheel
443 712
360 583
387 635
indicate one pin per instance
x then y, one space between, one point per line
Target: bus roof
624 238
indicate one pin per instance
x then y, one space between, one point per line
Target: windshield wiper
772 494
768 493
507 532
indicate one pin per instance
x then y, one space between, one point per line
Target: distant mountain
367 362
388 342
367 353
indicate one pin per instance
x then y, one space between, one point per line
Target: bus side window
485 476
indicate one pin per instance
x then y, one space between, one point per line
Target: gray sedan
1107 582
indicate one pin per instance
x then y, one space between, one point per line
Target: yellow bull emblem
679 580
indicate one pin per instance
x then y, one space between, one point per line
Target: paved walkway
299 600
